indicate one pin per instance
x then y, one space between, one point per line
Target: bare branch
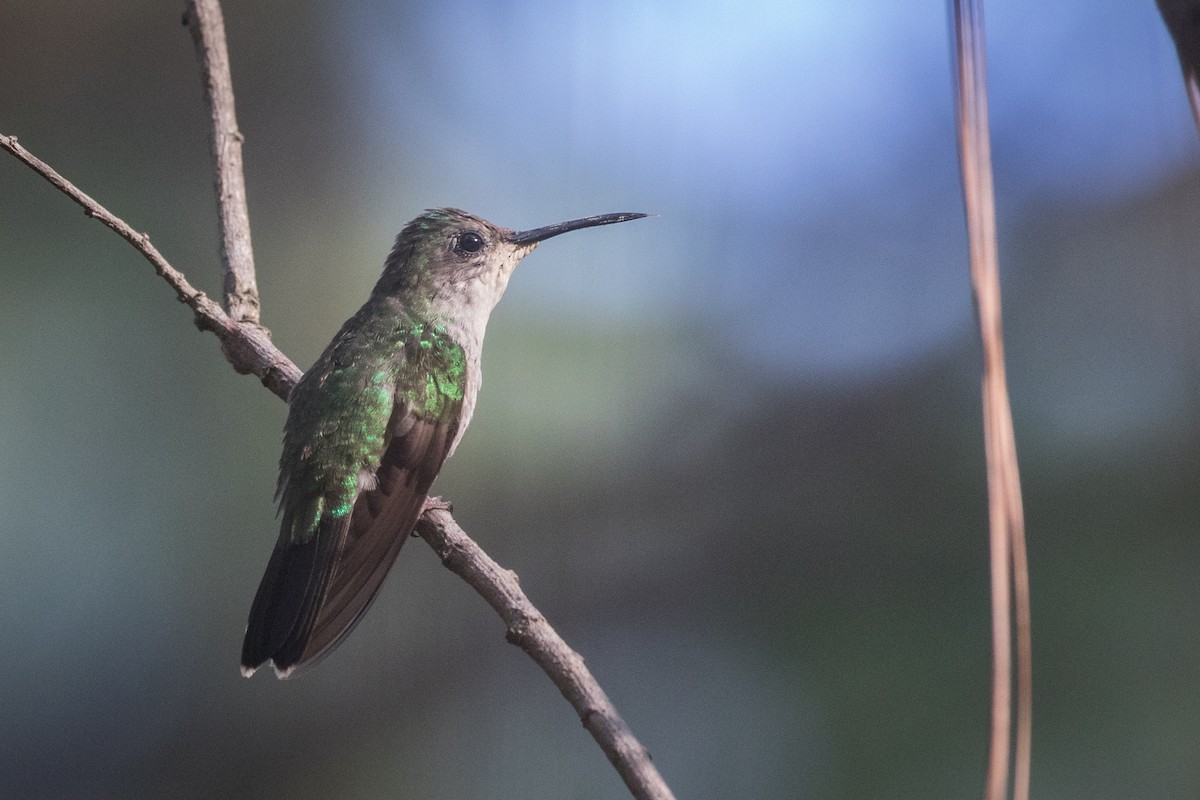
205 21
1007 521
250 350
528 629
247 346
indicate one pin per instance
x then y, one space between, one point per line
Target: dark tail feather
289 597
380 526
315 592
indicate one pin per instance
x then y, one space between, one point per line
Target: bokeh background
733 451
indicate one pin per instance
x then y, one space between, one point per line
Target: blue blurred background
733 451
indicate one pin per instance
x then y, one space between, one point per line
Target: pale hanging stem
1005 515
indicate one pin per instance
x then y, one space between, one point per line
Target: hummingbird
370 424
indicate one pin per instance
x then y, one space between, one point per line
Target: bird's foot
437 504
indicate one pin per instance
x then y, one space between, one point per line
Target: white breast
465 309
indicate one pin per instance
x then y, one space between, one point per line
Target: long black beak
539 234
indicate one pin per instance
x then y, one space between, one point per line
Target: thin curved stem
1009 562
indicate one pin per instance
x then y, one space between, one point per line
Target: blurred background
733 451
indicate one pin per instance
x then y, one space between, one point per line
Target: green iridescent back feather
381 361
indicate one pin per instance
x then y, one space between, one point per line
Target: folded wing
344 525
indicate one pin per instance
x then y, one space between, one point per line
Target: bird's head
448 257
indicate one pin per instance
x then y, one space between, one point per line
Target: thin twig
247 346
204 19
1006 518
528 629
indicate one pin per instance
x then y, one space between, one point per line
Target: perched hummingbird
370 424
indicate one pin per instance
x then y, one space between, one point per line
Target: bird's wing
380 523
339 539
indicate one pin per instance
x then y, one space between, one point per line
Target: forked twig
248 348
1006 517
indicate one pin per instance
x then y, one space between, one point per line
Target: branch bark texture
248 348
204 19
530 631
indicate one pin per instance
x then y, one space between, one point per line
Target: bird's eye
470 242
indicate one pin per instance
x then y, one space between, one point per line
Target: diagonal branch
247 346
204 19
528 629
